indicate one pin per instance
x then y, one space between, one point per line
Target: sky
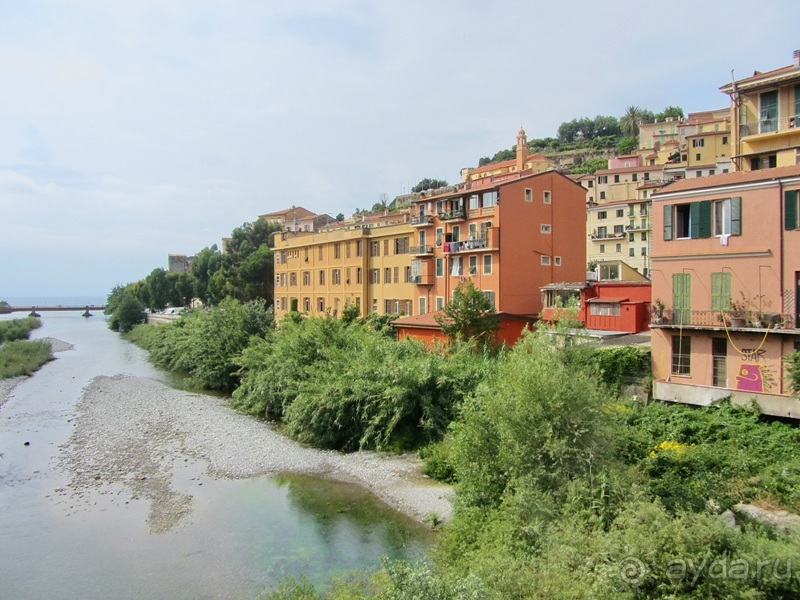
132 130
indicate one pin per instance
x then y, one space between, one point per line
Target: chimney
796 58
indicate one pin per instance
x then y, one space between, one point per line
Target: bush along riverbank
18 355
564 488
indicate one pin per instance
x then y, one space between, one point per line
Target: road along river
115 484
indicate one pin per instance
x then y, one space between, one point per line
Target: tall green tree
429 184
469 315
630 121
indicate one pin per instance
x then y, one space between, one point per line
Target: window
359 248
456 234
643 251
336 277
721 290
347 249
694 220
439 234
423 305
306 277
548 198
619 229
455 266
473 265
473 202
602 195
602 232
602 215
698 143
544 228
401 245
473 231
408 276
528 195
374 275
763 162
618 248
386 247
292 278
307 304
769 111
387 275
724 140
604 309
635 177
359 276
337 250
322 277
439 302
591 183
712 171
397 274
647 176
616 178
609 272
320 253
375 249
487 264
558 261
644 235
347 275
631 252
321 304
489 199
602 248
698 173
681 354
489 295
440 267
545 260
620 212
719 354
602 179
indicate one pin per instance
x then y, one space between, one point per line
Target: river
240 537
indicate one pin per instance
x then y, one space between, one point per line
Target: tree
630 121
207 262
340 217
429 184
469 315
675 112
626 145
129 312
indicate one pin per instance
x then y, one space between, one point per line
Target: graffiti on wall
753 377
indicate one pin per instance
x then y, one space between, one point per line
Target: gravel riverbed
133 431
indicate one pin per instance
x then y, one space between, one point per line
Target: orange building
726 283
511 235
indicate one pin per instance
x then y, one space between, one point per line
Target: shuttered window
790 209
681 298
720 291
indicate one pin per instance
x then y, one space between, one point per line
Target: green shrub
18 329
22 357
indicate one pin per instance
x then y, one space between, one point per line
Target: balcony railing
453 215
422 220
769 125
418 250
728 319
422 279
608 236
466 246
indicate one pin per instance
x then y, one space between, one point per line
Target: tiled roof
295 211
724 179
758 77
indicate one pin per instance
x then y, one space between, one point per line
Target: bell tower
522 149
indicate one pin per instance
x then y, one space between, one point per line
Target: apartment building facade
765 112
365 264
725 288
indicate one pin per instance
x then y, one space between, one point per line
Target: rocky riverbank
131 432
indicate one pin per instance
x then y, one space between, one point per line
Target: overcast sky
131 130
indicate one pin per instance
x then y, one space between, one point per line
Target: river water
243 535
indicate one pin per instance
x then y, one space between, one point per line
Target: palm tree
630 121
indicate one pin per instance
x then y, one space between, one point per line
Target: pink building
726 283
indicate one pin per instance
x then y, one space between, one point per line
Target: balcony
769 125
453 215
704 319
423 250
422 279
608 236
469 245
421 220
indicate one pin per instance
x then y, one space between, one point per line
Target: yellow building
766 118
366 264
534 163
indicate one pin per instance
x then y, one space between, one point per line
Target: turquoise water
241 537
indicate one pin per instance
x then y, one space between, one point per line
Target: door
719 355
681 298
769 111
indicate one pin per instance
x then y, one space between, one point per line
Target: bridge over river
33 311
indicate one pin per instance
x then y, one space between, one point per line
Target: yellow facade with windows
367 266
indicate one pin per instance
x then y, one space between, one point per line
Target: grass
22 357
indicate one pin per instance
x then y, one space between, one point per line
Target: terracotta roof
670 143
488 184
295 211
535 157
757 77
724 179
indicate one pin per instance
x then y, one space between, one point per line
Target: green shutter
668 222
790 209
681 298
694 220
720 291
736 215
704 222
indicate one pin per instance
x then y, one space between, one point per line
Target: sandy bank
130 431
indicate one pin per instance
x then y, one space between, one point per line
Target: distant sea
48 301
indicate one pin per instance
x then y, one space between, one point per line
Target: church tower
522 149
